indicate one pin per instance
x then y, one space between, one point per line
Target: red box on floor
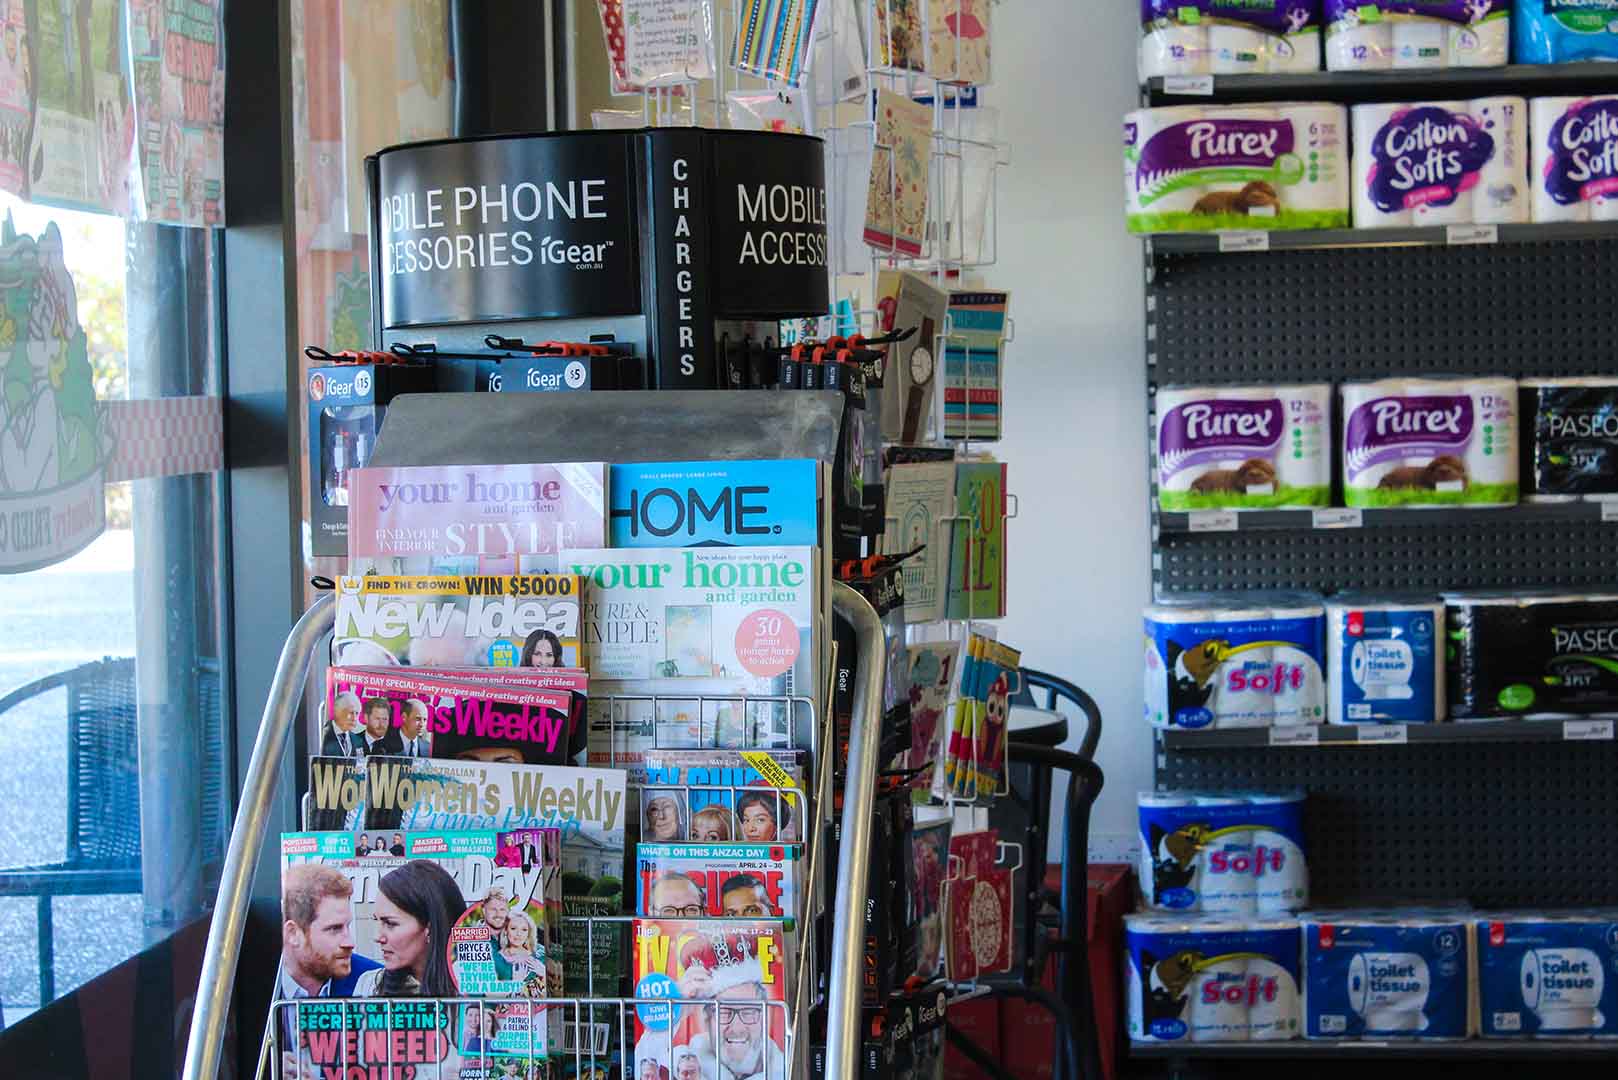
1111 895
980 1021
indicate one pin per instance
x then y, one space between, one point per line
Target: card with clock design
911 371
896 198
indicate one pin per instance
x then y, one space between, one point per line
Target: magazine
473 519
588 806
921 501
665 631
434 914
716 503
325 1037
977 552
731 979
747 881
395 712
719 796
473 621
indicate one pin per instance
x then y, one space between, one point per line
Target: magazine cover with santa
724 990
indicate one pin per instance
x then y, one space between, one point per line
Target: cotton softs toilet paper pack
1430 442
1243 447
1548 974
1397 973
1384 659
1223 661
1441 163
1569 438
1219 37
1574 170
1564 31
1531 654
1203 168
1225 854
1378 36
1212 979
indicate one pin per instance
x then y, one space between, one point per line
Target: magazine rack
442 429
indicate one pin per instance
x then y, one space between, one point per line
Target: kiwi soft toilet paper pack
1548 974
1216 37
1395 973
1230 854
1441 163
1430 442
1575 158
1212 979
1205 168
1382 35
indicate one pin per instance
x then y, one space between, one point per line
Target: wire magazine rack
841 990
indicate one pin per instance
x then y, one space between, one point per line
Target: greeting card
896 200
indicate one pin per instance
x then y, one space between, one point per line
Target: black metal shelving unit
1504 814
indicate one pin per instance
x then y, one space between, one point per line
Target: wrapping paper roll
1430 442
1384 660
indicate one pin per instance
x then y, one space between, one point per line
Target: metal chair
103 804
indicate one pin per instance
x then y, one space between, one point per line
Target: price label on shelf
1457 235
1609 510
1244 241
1339 517
1211 521
1382 735
1587 730
1295 735
1188 85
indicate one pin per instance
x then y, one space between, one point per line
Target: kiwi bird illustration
1163 990
1174 857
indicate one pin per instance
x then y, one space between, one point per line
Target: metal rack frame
1402 816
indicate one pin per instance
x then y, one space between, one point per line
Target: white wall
1064 75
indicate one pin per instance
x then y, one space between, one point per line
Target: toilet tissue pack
1548 974
1243 447
1378 36
1384 659
1531 654
1226 854
1219 37
1201 168
1575 158
1569 438
1430 442
1212 979
1235 661
1387 973
1441 163
1563 31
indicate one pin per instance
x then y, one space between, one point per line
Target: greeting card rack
624 427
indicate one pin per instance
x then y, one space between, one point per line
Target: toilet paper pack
1387 973
1430 442
1531 654
1204 168
1384 659
1254 660
1564 31
1371 36
1236 855
1216 37
1243 447
1574 171
1441 163
1548 974
1212 980
1570 438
